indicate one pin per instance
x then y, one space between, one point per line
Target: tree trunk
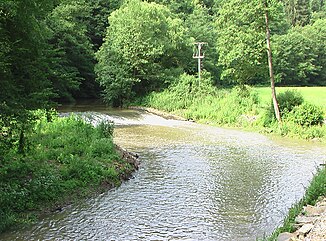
270 65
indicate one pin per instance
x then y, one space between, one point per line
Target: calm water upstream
196 182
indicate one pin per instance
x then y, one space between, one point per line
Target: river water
195 182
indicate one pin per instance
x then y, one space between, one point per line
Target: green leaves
200 26
24 84
70 48
241 41
140 45
300 55
298 11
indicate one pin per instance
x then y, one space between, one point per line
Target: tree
300 55
200 25
97 19
24 82
317 5
71 53
181 8
318 8
270 63
140 50
242 40
298 11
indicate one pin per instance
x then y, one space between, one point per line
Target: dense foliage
242 107
57 168
139 51
204 103
47 53
48 47
60 50
288 100
235 51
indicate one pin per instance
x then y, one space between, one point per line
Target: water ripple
195 183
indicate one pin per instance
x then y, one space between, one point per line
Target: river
195 182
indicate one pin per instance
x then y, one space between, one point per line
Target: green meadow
313 95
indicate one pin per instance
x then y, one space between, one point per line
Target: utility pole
198 54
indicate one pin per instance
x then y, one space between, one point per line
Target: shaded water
195 183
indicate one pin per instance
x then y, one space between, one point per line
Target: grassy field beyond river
246 107
314 95
65 159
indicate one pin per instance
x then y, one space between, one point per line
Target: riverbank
310 224
241 107
164 114
306 219
65 160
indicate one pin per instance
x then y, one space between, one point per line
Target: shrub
307 115
105 128
288 100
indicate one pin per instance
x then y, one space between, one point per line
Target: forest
60 50
133 52
141 52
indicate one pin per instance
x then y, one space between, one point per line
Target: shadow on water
196 182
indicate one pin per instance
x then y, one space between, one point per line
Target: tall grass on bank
239 107
205 103
65 159
316 189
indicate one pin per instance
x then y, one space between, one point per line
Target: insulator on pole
199 54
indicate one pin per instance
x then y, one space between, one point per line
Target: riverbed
195 182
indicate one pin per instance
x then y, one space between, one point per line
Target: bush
66 158
288 100
182 94
106 128
307 115
205 103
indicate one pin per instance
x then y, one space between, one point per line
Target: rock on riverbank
131 158
311 225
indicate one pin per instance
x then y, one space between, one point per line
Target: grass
245 107
66 159
316 189
313 95
205 103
